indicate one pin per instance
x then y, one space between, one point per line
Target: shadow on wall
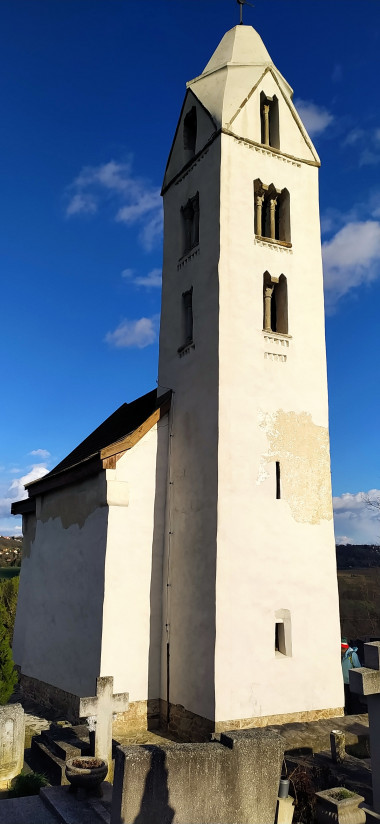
183 576
155 801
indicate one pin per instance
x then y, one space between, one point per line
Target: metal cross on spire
241 4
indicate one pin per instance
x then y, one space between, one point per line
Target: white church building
186 547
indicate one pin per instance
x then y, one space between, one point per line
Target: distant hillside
10 551
358 556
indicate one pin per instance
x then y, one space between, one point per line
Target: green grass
9 572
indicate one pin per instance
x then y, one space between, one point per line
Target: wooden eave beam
110 454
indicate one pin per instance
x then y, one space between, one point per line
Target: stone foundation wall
142 715
190 727
53 698
268 720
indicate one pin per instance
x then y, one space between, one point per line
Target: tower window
278 481
187 318
190 224
275 299
283 633
190 131
269 121
272 212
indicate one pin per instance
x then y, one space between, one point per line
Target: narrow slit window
190 132
187 319
278 481
279 637
190 224
282 633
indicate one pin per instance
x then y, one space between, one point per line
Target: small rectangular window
190 224
282 633
279 640
278 481
187 319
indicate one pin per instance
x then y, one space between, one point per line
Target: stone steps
53 747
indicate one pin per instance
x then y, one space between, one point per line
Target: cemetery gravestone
366 681
12 738
102 706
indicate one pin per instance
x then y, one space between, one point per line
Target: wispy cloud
134 333
366 143
337 73
315 118
355 521
40 453
133 200
153 280
350 258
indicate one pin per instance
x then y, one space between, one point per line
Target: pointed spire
241 46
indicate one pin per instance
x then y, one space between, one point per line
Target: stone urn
339 805
86 773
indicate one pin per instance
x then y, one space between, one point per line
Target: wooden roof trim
120 447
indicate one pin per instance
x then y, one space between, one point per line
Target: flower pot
86 773
339 805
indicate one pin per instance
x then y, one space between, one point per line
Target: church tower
250 612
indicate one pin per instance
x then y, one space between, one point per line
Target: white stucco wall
132 613
59 623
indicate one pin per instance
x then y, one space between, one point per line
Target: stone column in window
272 207
259 214
268 292
266 108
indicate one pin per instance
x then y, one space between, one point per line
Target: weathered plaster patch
302 448
73 504
263 473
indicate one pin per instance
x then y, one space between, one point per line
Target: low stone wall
53 698
220 782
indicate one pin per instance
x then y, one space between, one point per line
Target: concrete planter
86 773
339 805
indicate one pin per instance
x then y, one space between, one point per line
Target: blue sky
90 95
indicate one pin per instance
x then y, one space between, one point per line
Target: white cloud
40 453
152 280
343 540
17 491
354 518
17 488
134 200
351 258
314 118
134 333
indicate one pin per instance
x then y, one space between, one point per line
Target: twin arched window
272 212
